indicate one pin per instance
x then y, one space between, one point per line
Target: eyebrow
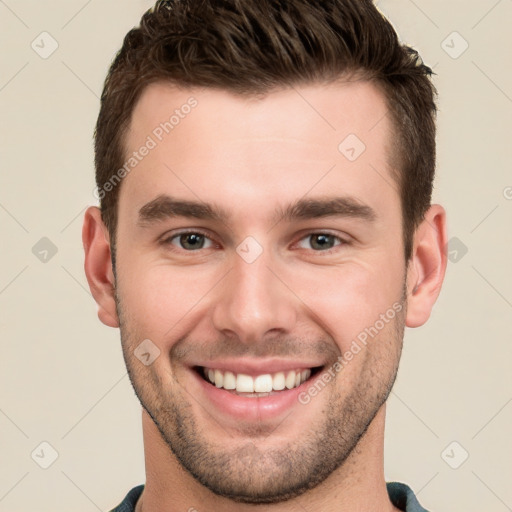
164 207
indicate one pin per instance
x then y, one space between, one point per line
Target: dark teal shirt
400 495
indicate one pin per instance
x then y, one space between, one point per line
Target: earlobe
427 266
98 266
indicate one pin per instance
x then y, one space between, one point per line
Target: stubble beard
239 469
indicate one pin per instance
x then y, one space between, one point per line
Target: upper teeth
259 384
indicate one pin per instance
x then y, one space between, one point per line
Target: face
255 251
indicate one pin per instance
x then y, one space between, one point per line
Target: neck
358 485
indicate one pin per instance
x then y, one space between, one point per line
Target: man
265 234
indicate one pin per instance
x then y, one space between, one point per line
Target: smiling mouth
258 385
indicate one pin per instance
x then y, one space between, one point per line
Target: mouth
256 385
253 391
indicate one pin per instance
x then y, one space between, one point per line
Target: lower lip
259 408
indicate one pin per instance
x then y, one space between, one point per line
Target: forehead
292 140
325 109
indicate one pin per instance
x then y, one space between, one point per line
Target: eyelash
167 241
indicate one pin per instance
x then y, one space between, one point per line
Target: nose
254 301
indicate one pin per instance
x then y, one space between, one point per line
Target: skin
295 301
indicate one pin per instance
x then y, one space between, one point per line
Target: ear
427 266
98 265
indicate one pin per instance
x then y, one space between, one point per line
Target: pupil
322 241
192 241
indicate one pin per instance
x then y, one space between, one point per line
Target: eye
189 241
320 241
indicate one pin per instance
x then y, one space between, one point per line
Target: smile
252 390
259 384
262 385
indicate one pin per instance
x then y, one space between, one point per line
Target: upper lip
258 366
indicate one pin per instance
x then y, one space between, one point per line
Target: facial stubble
238 469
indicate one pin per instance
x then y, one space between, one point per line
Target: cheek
350 299
156 297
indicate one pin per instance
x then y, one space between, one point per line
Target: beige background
62 376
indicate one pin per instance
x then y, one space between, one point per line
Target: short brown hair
257 46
